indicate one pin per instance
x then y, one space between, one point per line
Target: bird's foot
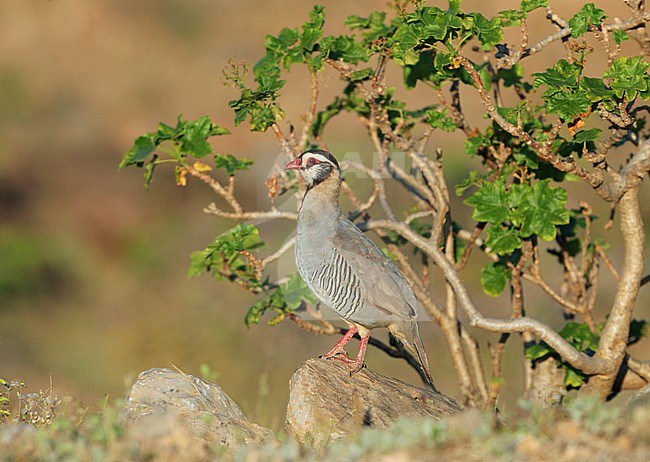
339 355
358 367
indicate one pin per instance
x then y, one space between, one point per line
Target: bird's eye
311 162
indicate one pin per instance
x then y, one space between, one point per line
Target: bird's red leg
358 363
338 352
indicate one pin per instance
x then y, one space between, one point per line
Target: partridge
345 270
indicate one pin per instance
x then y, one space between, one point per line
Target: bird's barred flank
340 285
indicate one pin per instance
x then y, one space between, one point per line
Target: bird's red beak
294 164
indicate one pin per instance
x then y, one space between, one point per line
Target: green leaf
361 74
517 198
194 137
436 22
199 264
374 26
488 32
511 17
405 39
529 5
489 203
148 172
288 37
284 299
468 182
573 378
473 143
313 29
459 248
583 136
256 311
346 48
543 209
629 76
502 241
562 74
511 76
537 351
567 104
438 118
580 336
144 145
231 163
226 250
494 278
595 89
620 36
588 15
295 291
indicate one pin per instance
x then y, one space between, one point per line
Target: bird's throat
323 197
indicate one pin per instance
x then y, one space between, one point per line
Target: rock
167 407
325 403
15 432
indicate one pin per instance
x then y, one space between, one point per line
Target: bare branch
555 18
474 357
496 352
574 357
311 114
217 187
278 253
212 209
284 141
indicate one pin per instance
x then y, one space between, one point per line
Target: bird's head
315 166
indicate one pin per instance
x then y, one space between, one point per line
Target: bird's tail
409 334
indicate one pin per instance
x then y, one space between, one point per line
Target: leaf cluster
583 339
515 212
187 138
229 257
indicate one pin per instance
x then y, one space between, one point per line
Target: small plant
38 409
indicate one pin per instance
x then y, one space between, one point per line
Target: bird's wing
382 283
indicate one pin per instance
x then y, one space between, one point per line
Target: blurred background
93 268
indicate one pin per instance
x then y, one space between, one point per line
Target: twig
217 187
212 209
278 253
284 142
515 56
472 350
496 352
311 114
471 241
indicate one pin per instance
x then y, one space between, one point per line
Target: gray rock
326 404
167 406
15 432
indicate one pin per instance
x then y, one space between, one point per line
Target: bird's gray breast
325 270
347 272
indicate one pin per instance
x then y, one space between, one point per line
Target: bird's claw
358 368
339 355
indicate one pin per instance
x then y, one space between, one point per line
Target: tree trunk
613 340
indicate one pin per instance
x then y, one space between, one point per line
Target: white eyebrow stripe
318 157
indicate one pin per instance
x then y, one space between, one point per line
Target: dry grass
581 429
